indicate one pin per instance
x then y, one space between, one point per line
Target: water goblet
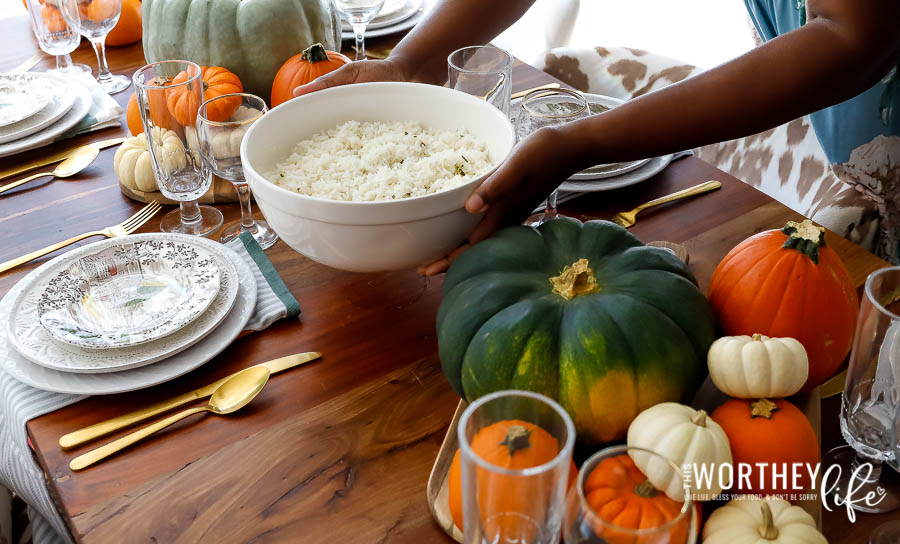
889 533
545 108
484 71
54 35
359 13
522 504
179 170
221 125
94 20
871 396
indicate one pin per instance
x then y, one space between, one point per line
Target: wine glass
618 473
94 20
544 108
871 396
525 501
178 168
889 533
359 13
54 35
221 125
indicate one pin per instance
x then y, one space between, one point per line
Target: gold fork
115 231
627 219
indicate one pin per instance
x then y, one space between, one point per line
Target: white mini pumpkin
685 436
761 521
132 165
757 367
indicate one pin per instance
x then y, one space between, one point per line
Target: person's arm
845 48
422 55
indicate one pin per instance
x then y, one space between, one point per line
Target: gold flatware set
226 396
628 219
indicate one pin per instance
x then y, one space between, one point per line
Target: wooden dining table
338 450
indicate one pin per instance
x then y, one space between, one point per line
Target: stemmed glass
221 125
359 13
94 20
169 93
54 35
871 396
889 533
544 108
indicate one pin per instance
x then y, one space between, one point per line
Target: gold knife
58 156
103 428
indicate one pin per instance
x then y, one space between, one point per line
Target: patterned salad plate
60 103
21 96
35 343
129 294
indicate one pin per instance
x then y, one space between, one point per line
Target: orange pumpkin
511 444
216 82
159 111
100 10
300 69
133 116
53 19
788 283
775 433
619 494
129 28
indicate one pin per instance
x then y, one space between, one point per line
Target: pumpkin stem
763 408
805 238
767 530
645 490
314 53
699 418
517 438
574 280
756 336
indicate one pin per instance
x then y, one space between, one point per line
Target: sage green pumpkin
583 313
252 38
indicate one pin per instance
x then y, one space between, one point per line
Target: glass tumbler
484 71
94 19
54 35
523 501
221 125
871 396
611 495
169 94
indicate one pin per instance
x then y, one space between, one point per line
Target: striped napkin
20 403
104 112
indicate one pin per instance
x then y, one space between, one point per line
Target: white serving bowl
370 236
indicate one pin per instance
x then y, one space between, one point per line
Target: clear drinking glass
871 396
221 125
523 504
359 13
484 71
94 20
55 36
544 108
889 533
179 170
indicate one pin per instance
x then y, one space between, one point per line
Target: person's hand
357 72
536 166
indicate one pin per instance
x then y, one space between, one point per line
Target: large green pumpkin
252 38
583 313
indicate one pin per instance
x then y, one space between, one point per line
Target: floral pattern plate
129 294
33 342
110 383
21 96
61 102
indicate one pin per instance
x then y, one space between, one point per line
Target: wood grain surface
338 450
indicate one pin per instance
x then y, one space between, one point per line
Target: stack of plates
124 314
395 16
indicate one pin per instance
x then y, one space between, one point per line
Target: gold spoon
232 395
77 162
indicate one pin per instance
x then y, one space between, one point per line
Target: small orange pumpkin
133 116
216 82
53 19
159 111
100 10
788 283
129 28
773 433
511 444
619 493
300 69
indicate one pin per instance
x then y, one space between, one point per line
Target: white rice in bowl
368 161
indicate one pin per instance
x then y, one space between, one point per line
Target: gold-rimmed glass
221 124
584 525
545 108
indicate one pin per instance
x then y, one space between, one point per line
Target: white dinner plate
393 12
37 376
49 134
405 24
650 169
61 102
129 293
34 342
21 96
